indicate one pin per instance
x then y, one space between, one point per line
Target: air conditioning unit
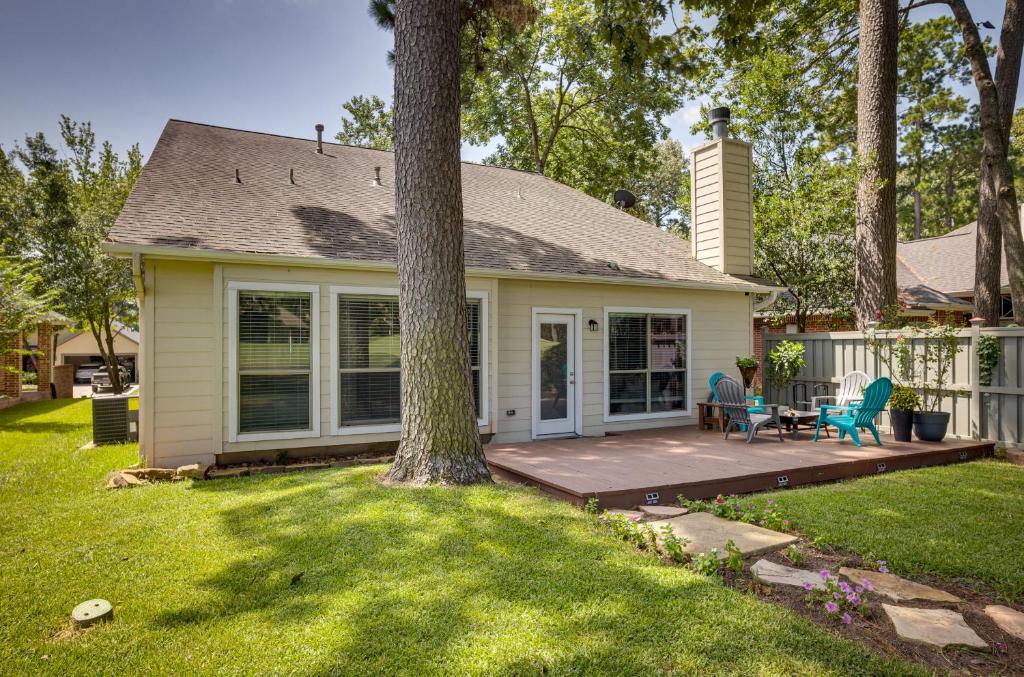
113 421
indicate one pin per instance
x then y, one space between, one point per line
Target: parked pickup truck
101 379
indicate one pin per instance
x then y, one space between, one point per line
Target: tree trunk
988 251
875 266
917 213
440 441
950 195
995 136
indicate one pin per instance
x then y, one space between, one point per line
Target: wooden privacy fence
986 412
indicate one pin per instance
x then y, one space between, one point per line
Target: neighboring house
39 341
268 298
78 348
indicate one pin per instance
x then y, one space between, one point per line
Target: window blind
274 361
369 358
646 363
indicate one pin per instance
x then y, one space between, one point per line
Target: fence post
764 362
975 374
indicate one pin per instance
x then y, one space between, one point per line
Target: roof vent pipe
376 176
719 118
319 138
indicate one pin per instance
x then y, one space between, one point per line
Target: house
38 341
79 348
267 289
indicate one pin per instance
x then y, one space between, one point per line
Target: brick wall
45 358
10 371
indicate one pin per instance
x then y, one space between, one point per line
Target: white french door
554 373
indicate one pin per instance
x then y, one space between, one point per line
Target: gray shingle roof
187 198
945 263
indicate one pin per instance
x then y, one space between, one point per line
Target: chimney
719 118
722 208
319 138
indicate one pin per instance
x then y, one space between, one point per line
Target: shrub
904 398
784 362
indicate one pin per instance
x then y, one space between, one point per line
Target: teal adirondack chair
863 417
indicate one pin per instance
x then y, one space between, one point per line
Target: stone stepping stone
898 589
770 572
937 627
705 532
1009 620
662 511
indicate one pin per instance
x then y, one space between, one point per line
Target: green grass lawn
481 580
957 521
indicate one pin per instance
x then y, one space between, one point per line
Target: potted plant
748 368
935 368
903 402
784 362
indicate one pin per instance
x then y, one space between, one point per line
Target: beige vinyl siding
722 210
180 376
186 373
720 331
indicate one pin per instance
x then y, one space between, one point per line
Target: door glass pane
554 371
668 342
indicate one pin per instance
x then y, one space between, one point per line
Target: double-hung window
366 384
646 363
273 361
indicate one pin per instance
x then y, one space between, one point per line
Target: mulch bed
1006 657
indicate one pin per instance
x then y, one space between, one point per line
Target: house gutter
126 250
140 288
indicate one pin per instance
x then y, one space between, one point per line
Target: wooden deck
655 466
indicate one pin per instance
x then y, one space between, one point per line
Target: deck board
622 469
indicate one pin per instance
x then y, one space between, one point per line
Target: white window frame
335 383
234 287
611 310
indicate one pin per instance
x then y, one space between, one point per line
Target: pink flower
719 500
771 501
846 618
837 595
853 599
844 586
831 607
867 584
882 569
825 573
808 586
859 589
785 523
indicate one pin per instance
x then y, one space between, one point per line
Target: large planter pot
930 426
748 376
902 421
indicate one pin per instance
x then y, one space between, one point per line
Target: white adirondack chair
851 391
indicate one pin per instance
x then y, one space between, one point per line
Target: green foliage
663 188
734 557
592 507
705 563
746 362
939 139
673 545
784 362
482 580
564 99
794 555
904 399
918 356
989 349
935 521
69 204
22 300
370 123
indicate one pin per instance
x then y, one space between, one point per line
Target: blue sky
276 66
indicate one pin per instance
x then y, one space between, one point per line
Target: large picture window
647 363
368 369
274 329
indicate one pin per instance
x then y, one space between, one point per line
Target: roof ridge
335 143
956 232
